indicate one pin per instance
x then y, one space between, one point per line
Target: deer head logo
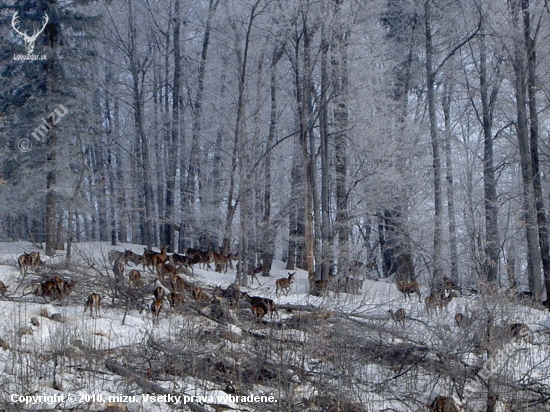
29 40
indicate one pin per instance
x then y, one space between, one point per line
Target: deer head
29 40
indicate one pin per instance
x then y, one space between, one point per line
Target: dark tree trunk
168 237
268 227
52 32
492 246
326 244
534 257
534 139
450 185
340 113
438 200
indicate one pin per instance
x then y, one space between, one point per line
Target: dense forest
394 137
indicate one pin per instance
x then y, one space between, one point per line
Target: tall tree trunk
194 156
216 196
110 165
534 139
52 32
340 112
256 208
145 166
438 201
121 197
449 177
492 239
240 153
534 257
326 244
268 228
295 215
308 158
172 155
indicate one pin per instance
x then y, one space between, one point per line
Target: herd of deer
437 299
441 299
29 261
169 267
55 288
172 266
346 284
167 264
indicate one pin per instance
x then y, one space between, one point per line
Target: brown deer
257 300
47 288
284 284
115 255
199 295
205 258
520 330
319 287
132 257
154 308
230 258
449 285
24 262
93 302
147 258
170 270
29 261
432 302
254 272
62 287
220 262
180 260
176 300
179 284
3 288
443 404
118 269
406 288
135 278
40 263
35 260
259 311
232 294
160 270
159 293
398 316
461 319
445 300
192 253
159 258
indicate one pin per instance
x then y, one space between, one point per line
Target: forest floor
337 352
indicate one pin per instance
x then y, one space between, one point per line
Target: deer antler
14 24
37 32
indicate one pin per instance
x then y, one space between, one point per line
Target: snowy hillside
334 352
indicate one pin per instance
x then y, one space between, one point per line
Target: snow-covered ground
345 341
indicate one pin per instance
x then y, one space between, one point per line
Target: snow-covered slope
326 352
